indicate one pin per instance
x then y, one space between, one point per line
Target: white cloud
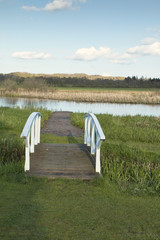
32 8
58 5
122 58
155 31
31 55
146 49
106 74
88 54
148 40
148 46
55 5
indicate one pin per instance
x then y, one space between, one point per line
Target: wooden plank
62 160
60 124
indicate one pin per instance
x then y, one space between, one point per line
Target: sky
106 37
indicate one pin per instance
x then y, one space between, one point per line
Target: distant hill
28 80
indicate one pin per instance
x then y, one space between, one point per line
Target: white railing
93 137
31 134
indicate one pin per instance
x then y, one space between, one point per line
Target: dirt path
60 124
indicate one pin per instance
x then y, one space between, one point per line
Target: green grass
102 89
51 138
12 122
72 209
130 155
61 209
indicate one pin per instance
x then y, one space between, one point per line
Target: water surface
109 108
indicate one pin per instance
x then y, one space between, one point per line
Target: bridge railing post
85 130
36 130
27 154
31 134
93 137
39 128
88 132
32 137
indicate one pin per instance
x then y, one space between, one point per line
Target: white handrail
93 137
31 134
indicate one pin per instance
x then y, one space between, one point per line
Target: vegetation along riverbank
130 155
81 88
122 205
89 95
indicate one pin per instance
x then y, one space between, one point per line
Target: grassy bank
12 122
131 154
90 95
111 208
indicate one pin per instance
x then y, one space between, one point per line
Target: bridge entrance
62 160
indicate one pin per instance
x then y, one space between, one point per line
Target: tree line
33 81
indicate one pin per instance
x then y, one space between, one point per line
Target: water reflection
110 108
11 101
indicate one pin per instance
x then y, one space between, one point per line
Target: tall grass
12 122
11 150
92 95
130 155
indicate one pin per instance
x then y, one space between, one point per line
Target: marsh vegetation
122 205
130 155
81 88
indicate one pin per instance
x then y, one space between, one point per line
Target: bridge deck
62 160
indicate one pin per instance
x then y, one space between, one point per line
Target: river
109 108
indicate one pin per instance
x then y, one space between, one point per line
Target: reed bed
130 155
111 96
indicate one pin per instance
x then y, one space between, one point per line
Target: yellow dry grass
112 96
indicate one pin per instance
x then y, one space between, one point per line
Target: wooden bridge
62 160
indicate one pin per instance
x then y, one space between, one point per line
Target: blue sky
113 38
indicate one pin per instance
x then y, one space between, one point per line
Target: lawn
67 209
109 208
